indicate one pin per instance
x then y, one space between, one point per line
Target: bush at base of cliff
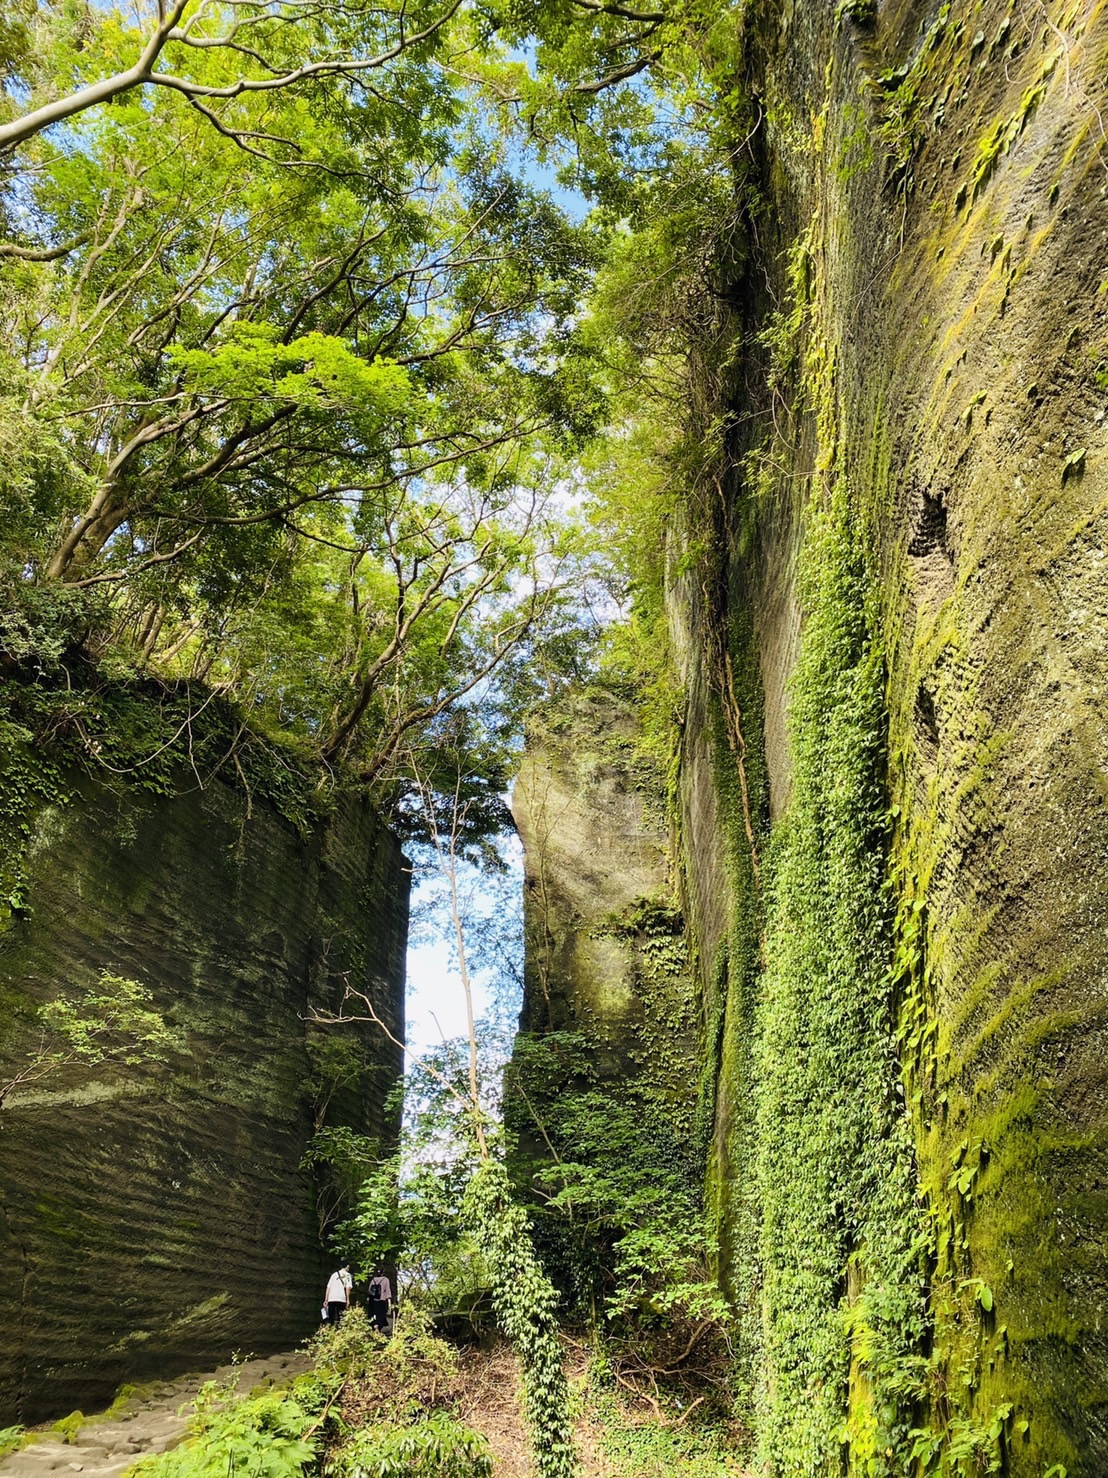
655 1435
432 1447
393 1417
265 1436
397 1380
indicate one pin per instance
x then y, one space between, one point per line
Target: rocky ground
156 1418
152 1421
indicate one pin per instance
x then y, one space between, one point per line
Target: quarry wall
891 810
155 1217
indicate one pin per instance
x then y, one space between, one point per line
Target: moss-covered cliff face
154 1218
892 798
588 811
606 1074
933 901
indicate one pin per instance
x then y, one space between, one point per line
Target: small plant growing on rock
113 1021
12 1439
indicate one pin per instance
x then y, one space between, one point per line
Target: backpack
375 1290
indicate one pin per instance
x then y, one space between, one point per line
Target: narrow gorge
650 460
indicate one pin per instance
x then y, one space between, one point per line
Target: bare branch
610 7
344 66
132 570
618 74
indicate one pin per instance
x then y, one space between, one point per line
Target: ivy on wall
843 1239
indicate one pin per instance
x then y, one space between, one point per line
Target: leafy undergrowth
656 1405
621 1433
371 1408
12 1439
415 1407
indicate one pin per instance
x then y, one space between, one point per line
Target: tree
476 1183
296 433
257 49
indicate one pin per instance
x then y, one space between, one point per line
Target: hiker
336 1300
378 1301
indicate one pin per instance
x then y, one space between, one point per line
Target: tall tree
286 406
209 52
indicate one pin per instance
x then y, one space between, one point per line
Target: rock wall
154 1218
892 805
928 294
592 851
605 1071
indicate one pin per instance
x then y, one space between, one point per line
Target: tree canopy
294 374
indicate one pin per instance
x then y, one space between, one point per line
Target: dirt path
153 1422
491 1404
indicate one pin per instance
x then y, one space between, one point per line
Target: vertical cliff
891 800
588 812
154 1217
605 1074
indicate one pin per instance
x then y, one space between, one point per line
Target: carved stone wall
155 1218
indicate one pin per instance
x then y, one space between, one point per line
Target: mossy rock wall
592 824
914 608
890 808
155 1219
605 1072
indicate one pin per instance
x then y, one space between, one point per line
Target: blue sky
436 1001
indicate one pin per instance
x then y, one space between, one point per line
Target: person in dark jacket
379 1301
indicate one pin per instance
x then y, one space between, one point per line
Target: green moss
12 1439
843 1247
69 1427
992 1373
128 737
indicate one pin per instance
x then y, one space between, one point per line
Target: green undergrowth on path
13 1438
371 1408
638 1446
653 1411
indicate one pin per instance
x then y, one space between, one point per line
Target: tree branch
42 253
618 74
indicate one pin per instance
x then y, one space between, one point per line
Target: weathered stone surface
591 851
151 1420
932 201
942 176
155 1219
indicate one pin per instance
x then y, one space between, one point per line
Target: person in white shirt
337 1297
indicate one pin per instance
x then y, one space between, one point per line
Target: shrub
388 1380
437 1446
253 1437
